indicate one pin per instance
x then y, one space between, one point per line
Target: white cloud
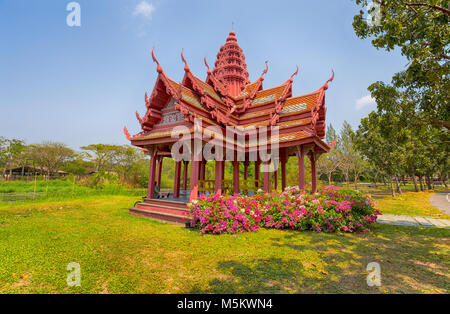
364 102
144 9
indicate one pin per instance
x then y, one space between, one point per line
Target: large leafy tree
78 165
350 159
11 153
128 162
379 142
101 155
50 155
420 28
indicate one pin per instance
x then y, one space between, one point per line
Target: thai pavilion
237 116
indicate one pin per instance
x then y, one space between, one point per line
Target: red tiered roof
230 67
228 98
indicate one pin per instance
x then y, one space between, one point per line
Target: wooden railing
250 185
245 186
206 186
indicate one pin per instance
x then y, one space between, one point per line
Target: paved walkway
414 221
441 201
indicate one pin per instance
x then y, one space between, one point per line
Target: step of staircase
172 215
162 208
164 203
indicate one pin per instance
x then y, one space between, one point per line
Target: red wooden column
257 164
266 177
195 170
151 177
283 176
223 170
220 165
283 161
177 178
160 165
275 180
312 157
202 170
301 169
185 174
236 189
246 164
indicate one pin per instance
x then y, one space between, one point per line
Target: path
414 221
441 201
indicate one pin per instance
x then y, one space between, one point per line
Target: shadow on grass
409 264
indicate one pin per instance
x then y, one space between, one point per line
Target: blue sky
81 85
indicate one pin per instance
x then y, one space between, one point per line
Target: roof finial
296 72
159 69
186 67
207 65
127 134
232 26
265 71
325 86
332 77
334 143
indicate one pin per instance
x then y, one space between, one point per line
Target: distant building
30 171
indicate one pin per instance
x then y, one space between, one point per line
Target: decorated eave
301 119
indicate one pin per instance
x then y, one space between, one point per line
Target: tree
373 171
350 160
101 155
379 141
11 152
421 29
329 163
128 162
423 148
77 165
50 156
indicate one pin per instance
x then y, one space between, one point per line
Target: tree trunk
444 181
416 188
421 184
329 178
392 186
384 181
428 180
347 178
399 189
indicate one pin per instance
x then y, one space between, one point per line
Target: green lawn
123 253
63 189
409 203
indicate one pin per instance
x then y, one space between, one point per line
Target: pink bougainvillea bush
330 210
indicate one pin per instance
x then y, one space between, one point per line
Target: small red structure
259 122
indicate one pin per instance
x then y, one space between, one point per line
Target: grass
123 253
61 190
409 203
